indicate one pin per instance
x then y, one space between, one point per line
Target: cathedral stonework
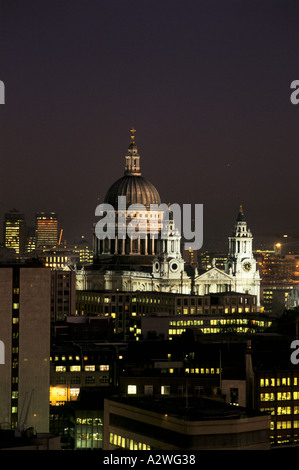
141 194
155 263
241 263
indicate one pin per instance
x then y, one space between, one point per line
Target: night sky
206 84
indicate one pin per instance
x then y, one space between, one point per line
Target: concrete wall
34 346
6 337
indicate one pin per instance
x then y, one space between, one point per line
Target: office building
136 313
14 231
31 242
25 302
76 364
172 424
46 229
63 294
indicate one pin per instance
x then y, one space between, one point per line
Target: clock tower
169 263
240 262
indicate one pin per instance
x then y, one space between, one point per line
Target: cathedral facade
152 263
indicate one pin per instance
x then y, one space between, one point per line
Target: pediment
214 274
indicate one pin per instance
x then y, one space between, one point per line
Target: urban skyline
206 85
114 342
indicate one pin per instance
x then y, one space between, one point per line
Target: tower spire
132 158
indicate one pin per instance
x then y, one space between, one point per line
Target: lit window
267 396
132 389
283 396
165 390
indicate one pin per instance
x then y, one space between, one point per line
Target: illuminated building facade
190 257
79 364
278 394
274 297
208 259
46 229
84 250
31 241
135 313
14 231
280 279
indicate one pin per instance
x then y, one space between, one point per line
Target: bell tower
240 262
169 264
240 258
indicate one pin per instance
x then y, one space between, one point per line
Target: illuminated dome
132 185
136 189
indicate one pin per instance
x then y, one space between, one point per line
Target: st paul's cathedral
154 263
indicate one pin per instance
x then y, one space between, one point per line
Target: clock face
247 266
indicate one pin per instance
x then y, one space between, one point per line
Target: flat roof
187 408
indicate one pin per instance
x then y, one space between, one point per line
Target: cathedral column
131 246
145 244
153 245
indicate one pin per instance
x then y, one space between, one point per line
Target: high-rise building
46 229
25 318
84 249
14 231
30 245
63 296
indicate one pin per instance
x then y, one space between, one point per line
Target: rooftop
188 408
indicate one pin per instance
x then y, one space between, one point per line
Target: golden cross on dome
132 133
